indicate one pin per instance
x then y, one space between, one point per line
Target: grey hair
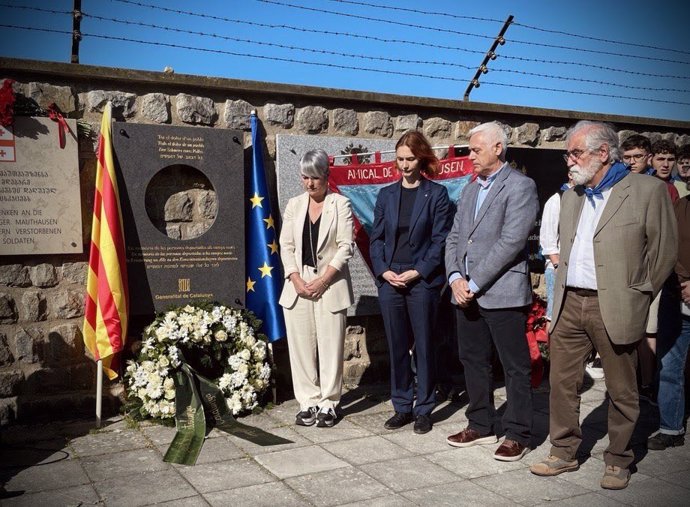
314 164
495 132
596 135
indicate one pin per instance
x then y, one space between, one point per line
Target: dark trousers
579 330
478 328
408 317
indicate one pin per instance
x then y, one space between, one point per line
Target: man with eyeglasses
637 152
618 245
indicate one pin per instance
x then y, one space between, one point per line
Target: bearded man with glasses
618 245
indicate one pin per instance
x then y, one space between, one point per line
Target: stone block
45 94
43 275
173 231
66 304
24 345
551 134
407 122
178 208
65 343
195 109
236 114
437 128
207 204
670 136
624 134
527 133
8 411
6 356
378 122
462 129
353 371
312 119
14 275
33 306
10 382
351 348
345 121
123 103
156 107
8 309
73 272
652 136
195 229
683 139
280 114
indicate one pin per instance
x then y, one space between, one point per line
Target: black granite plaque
181 190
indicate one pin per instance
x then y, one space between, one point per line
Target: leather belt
585 293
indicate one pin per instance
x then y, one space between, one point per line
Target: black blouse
309 250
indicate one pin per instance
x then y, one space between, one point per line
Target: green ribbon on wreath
198 400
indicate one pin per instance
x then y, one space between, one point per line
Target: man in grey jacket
486 262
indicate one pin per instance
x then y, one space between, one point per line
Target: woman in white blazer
316 243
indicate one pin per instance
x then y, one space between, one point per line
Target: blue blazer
429 225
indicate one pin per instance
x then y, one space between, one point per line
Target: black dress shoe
422 424
399 420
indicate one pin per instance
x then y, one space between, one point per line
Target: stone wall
44 370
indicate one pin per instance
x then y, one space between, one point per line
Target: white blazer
334 248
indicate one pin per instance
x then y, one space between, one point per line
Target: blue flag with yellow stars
264 270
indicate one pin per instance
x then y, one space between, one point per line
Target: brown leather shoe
469 437
510 450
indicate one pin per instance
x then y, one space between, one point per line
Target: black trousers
478 329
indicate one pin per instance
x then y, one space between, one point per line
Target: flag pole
99 392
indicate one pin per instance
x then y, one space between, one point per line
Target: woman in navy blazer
411 221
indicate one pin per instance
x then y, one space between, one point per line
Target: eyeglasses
634 158
574 154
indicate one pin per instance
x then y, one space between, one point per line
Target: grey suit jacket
494 242
635 249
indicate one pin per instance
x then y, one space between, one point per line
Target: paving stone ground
357 462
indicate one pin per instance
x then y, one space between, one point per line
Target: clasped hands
462 293
310 290
685 292
400 280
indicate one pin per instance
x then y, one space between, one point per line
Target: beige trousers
315 341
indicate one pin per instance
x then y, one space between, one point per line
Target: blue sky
443 49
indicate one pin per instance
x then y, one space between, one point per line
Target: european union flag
264 271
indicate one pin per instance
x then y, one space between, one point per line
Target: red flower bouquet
537 338
7 99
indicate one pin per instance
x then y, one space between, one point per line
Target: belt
585 293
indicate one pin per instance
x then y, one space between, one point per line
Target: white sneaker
594 369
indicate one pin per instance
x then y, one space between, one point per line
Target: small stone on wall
24 350
527 133
73 272
437 128
10 382
34 306
237 114
280 114
195 109
345 121
207 204
14 275
156 107
462 129
312 119
407 122
43 275
378 122
64 343
45 94
123 103
551 134
66 304
8 309
178 208
6 356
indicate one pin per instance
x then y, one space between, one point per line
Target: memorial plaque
40 205
289 151
182 195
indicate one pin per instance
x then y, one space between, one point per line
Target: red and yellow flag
105 321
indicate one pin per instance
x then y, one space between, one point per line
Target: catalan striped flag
105 321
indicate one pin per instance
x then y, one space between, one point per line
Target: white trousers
316 338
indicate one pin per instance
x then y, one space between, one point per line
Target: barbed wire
516 23
400 41
33 8
332 65
373 58
456 32
273 44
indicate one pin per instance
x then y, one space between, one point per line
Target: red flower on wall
7 99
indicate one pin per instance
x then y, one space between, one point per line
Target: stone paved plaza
357 462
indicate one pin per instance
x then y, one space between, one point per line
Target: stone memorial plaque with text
183 210
40 205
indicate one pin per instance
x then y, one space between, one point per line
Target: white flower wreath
218 336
